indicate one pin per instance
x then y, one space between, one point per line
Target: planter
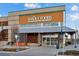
21 44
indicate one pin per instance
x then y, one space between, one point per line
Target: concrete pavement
39 51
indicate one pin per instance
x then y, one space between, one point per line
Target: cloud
32 5
74 8
73 16
0 15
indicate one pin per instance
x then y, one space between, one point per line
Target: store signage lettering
39 18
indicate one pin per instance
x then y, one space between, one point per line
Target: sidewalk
40 51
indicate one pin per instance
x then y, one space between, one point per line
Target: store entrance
49 41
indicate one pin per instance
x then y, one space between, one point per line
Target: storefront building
39 27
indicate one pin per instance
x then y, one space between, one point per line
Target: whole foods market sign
40 18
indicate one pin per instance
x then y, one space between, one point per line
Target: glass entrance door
53 42
46 41
49 41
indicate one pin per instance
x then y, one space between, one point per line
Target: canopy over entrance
46 29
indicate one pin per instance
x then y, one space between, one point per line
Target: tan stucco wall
12 22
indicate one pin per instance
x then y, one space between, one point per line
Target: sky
72 10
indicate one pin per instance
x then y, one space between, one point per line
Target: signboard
44 17
39 18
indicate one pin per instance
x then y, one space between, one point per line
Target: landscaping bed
69 53
12 49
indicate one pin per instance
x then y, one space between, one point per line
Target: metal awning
45 29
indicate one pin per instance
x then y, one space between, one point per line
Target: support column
58 42
26 39
63 42
72 39
75 41
61 35
39 38
9 34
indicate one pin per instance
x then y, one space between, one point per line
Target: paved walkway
39 51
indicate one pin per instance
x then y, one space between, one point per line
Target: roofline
35 9
41 13
72 29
